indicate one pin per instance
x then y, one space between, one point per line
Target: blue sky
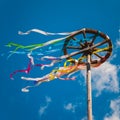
58 100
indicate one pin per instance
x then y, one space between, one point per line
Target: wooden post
89 90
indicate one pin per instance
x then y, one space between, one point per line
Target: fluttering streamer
65 71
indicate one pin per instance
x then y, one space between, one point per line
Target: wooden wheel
87 41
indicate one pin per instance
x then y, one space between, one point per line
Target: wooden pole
89 90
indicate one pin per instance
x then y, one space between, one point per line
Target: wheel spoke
93 39
98 55
99 44
81 45
74 38
72 47
84 34
82 57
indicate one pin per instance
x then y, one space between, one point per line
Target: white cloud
70 107
115 110
105 77
118 43
48 99
42 109
118 40
85 118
